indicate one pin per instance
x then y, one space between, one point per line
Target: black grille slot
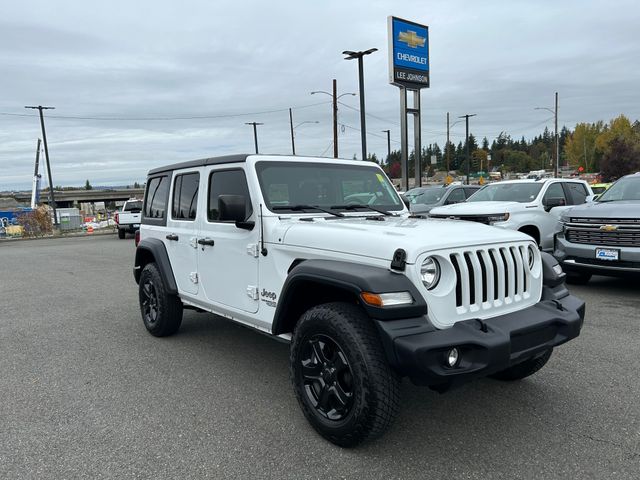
495 274
456 267
472 278
506 273
516 269
484 277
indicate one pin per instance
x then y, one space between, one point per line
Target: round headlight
532 257
430 272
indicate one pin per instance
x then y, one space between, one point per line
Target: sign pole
417 144
404 140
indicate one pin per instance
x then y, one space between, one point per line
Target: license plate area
608 254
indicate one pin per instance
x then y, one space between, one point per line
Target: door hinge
193 241
193 276
252 292
253 249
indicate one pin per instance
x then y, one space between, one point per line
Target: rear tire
121 233
161 311
524 369
341 377
578 278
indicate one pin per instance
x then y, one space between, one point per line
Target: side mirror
550 203
233 208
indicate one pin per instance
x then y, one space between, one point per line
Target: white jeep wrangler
323 253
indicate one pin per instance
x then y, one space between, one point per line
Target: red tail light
137 237
117 217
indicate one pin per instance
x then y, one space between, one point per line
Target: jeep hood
380 238
478 208
616 209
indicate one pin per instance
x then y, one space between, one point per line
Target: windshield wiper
357 206
297 208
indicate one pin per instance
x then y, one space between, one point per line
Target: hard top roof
201 163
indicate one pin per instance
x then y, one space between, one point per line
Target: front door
228 255
182 228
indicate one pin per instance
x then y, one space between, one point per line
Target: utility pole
334 100
255 132
447 145
40 108
293 143
36 178
466 117
335 118
350 55
388 132
555 114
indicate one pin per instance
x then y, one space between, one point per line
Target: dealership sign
408 53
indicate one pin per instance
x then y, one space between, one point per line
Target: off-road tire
121 233
374 385
524 369
578 278
161 312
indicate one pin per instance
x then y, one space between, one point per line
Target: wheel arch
314 282
533 231
153 250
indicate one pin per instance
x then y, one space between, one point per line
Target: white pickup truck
128 219
529 206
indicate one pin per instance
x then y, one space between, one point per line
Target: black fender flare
351 278
155 248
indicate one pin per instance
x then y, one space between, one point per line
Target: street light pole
557 139
293 143
466 117
388 132
334 100
255 132
350 55
40 108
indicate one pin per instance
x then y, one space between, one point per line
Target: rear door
182 228
227 255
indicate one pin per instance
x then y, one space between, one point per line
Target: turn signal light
387 299
137 237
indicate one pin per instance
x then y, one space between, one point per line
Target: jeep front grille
491 277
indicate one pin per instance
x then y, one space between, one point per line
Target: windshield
327 185
414 192
507 192
627 188
429 196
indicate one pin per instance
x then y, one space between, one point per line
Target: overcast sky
136 71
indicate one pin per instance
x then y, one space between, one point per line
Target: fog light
453 356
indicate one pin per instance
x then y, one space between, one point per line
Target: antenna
263 249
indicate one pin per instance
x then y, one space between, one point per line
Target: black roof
201 163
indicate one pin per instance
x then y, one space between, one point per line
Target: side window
470 191
227 182
576 193
185 196
555 190
155 201
456 196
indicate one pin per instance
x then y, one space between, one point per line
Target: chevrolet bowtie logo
609 228
411 38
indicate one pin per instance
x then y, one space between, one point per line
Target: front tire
524 369
161 311
341 377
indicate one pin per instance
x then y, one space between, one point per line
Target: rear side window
555 190
227 182
133 207
576 193
456 196
185 196
155 201
470 191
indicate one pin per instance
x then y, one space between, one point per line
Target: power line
185 117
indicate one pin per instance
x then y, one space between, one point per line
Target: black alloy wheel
327 377
149 302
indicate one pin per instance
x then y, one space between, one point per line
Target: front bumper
578 257
485 347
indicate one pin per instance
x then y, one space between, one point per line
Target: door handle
206 241
172 236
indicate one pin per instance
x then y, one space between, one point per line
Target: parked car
599 188
128 219
602 237
529 206
423 199
365 294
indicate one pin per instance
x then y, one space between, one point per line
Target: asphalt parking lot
86 392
